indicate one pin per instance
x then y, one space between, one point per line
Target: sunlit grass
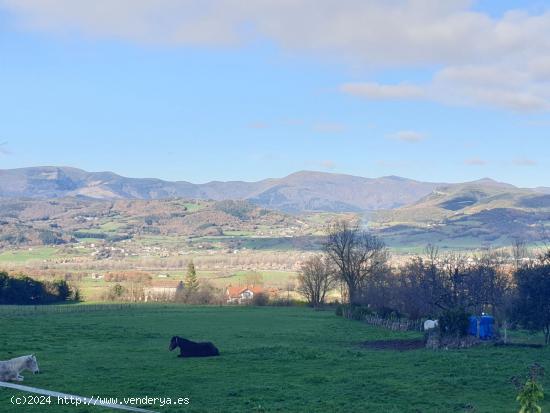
29 254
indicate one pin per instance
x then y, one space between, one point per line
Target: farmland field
272 359
23 256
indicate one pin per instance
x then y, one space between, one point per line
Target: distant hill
476 212
70 220
317 191
301 191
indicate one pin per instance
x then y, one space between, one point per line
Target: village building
162 290
240 294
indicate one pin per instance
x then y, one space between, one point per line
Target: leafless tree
433 284
290 286
419 288
456 277
532 306
423 286
519 252
452 282
357 255
315 279
488 284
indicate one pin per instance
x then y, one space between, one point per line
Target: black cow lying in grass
189 348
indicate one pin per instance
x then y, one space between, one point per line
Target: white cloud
493 86
329 127
540 68
375 32
483 60
408 136
498 85
378 91
258 125
525 162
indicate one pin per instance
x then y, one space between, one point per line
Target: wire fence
394 324
29 310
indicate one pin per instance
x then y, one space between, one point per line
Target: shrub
61 289
454 322
530 393
387 312
116 292
284 302
48 237
13 238
239 209
204 294
95 235
260 299
359 312
118 237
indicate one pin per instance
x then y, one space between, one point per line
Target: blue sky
233 92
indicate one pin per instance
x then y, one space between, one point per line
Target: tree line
26 290
431 286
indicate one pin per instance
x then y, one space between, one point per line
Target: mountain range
301 191
298 192
405 211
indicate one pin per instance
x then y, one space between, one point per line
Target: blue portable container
486 326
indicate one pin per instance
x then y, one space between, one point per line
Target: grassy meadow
272 360
27 255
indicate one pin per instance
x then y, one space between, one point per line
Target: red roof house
240 295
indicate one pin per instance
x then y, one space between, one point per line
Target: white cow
10 370
430 324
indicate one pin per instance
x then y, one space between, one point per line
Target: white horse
430 324
10 370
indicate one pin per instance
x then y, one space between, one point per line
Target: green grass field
31 254
272 360
272 278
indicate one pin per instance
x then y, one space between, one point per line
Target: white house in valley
162 290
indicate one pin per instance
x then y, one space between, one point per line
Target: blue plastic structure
486 326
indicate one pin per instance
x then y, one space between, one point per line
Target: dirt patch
396 345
